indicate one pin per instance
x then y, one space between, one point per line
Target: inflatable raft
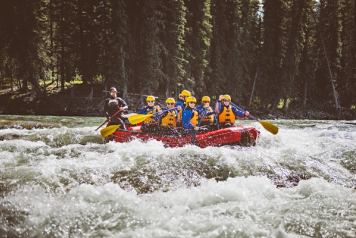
238 135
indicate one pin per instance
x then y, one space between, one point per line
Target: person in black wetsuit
112 105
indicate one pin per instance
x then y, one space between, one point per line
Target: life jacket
227 116
152 110
170 119
195 118
209 119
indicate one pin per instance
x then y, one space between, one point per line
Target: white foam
239 206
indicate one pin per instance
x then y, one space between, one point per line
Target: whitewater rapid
60 180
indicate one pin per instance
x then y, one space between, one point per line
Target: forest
286 54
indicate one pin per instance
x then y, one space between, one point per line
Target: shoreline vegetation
276 58
64 103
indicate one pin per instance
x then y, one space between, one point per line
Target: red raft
238 135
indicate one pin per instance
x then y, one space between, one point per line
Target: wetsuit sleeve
163 114
142 110
122 103
186 117
106 108
200 109
238 112
218 107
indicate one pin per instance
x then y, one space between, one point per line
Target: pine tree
289 70
21 26
151 73
115 52
328 56
173 37
347 76
217 80
268 86
199 39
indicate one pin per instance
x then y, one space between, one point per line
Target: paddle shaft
164 111
241 109
107 120
267 125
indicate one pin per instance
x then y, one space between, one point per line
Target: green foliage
301 52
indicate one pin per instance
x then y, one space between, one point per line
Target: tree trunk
331 75
253 88
290 64
123 73
305 95
62 68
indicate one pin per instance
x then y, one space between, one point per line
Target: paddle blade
107 131
138 118
269 127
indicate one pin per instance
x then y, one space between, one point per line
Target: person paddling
150 124
206 113
227 113
190 115
181 104
114 107
169 118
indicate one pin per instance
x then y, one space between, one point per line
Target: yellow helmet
205 99
170 100
227 97
150 98
191 99
185 93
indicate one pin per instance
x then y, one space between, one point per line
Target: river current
57 179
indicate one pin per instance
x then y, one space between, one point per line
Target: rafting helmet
150 98
227 97
185 93
191 99
170 100
205 99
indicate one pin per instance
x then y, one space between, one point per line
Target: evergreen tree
174 57
269 86
328 54
289 70
299 51
21 25
151 74
199 39
217 80
347 76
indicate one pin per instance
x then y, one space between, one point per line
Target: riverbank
91 102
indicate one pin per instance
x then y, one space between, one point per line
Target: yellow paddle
108 130
135 119
107 120
266 124
138 118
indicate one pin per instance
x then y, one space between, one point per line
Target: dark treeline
266 54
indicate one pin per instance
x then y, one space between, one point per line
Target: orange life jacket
170 119
227 116
195 118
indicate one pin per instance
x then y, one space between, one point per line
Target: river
57 179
